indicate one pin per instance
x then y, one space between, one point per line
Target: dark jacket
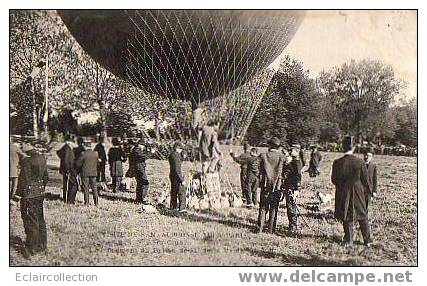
100 149
175 167
33 176
242 160
66 157
253 166
271 166
86 164
78 151
137 160
350 177
315 159
373 177
292 175
116 157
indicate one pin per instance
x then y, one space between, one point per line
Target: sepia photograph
213 137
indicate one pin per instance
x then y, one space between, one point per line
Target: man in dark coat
242 161
31 184
350 177
253 171
291 184
314 163
66 164
137 160
86 165
100 149
372 176
271 165
116 157
177 179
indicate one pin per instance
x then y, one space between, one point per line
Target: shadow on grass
217 217
52 197
294 260
115 197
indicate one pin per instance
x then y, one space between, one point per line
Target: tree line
363 99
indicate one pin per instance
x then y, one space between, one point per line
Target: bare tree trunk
103 116
36 129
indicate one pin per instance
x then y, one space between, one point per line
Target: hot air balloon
192 55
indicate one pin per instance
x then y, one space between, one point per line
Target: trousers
142 185
34 224
252 186
291 209
269 203
349 231
178 195
100 172
116 183
90 182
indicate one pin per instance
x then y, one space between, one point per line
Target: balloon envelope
185 54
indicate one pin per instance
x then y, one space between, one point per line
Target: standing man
116 157
372 176
137 160
242 161
31 184
15 156
209 147
86 165
271 165
315 158
291 184
350 177
253 177
177 179
66 165
102 160
302 157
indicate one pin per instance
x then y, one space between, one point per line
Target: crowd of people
277 173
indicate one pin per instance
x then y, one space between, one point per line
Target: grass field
117 233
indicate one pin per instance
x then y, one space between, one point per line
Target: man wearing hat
271 165
116 157
102 155
315 158
66 165
292 183
31 184
86 165
350 177
242 161
177 179
137 159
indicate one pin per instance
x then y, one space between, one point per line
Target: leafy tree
360 94
291 107
330 132
407 123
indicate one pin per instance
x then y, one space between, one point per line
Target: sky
330 38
